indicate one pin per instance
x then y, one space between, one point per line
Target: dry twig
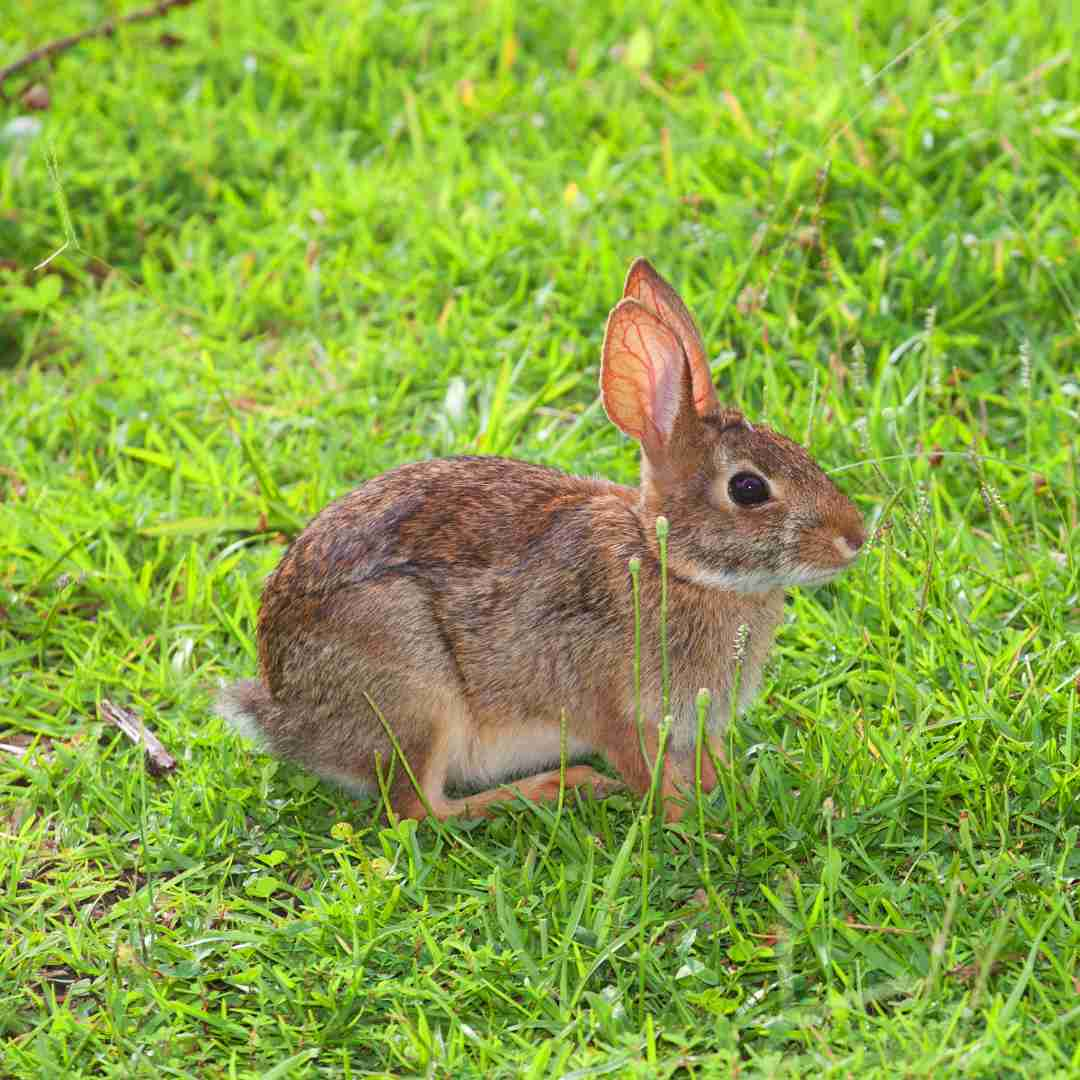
105 29
158 759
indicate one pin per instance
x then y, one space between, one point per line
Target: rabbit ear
645 380
646 286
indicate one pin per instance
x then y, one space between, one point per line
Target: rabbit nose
849 541
855 538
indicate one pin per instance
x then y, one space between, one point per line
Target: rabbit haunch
473 601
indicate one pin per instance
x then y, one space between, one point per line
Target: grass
296 244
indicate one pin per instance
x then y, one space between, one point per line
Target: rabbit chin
761 581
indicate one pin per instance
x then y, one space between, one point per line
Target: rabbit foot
544 787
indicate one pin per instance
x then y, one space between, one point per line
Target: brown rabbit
474 600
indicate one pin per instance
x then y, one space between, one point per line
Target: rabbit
468 604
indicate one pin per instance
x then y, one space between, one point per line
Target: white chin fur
752 582
759 581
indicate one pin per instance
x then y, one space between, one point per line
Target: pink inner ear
646 286
641 375
666 397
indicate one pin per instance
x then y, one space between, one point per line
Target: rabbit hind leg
431 797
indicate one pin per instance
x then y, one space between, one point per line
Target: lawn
252 253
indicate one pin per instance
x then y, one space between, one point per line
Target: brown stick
106 28
158 759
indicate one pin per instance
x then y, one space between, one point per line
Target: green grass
308 242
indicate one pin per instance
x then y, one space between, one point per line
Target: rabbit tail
247 707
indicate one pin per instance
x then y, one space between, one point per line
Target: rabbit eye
748 489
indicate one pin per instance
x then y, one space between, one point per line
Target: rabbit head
750 510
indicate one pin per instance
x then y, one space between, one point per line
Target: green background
291 245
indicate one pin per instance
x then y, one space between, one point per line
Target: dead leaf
749 299
737 114
838 368
36 97
965 972
16 485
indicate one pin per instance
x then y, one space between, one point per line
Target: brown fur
475 600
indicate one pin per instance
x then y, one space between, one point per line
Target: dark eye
748 489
